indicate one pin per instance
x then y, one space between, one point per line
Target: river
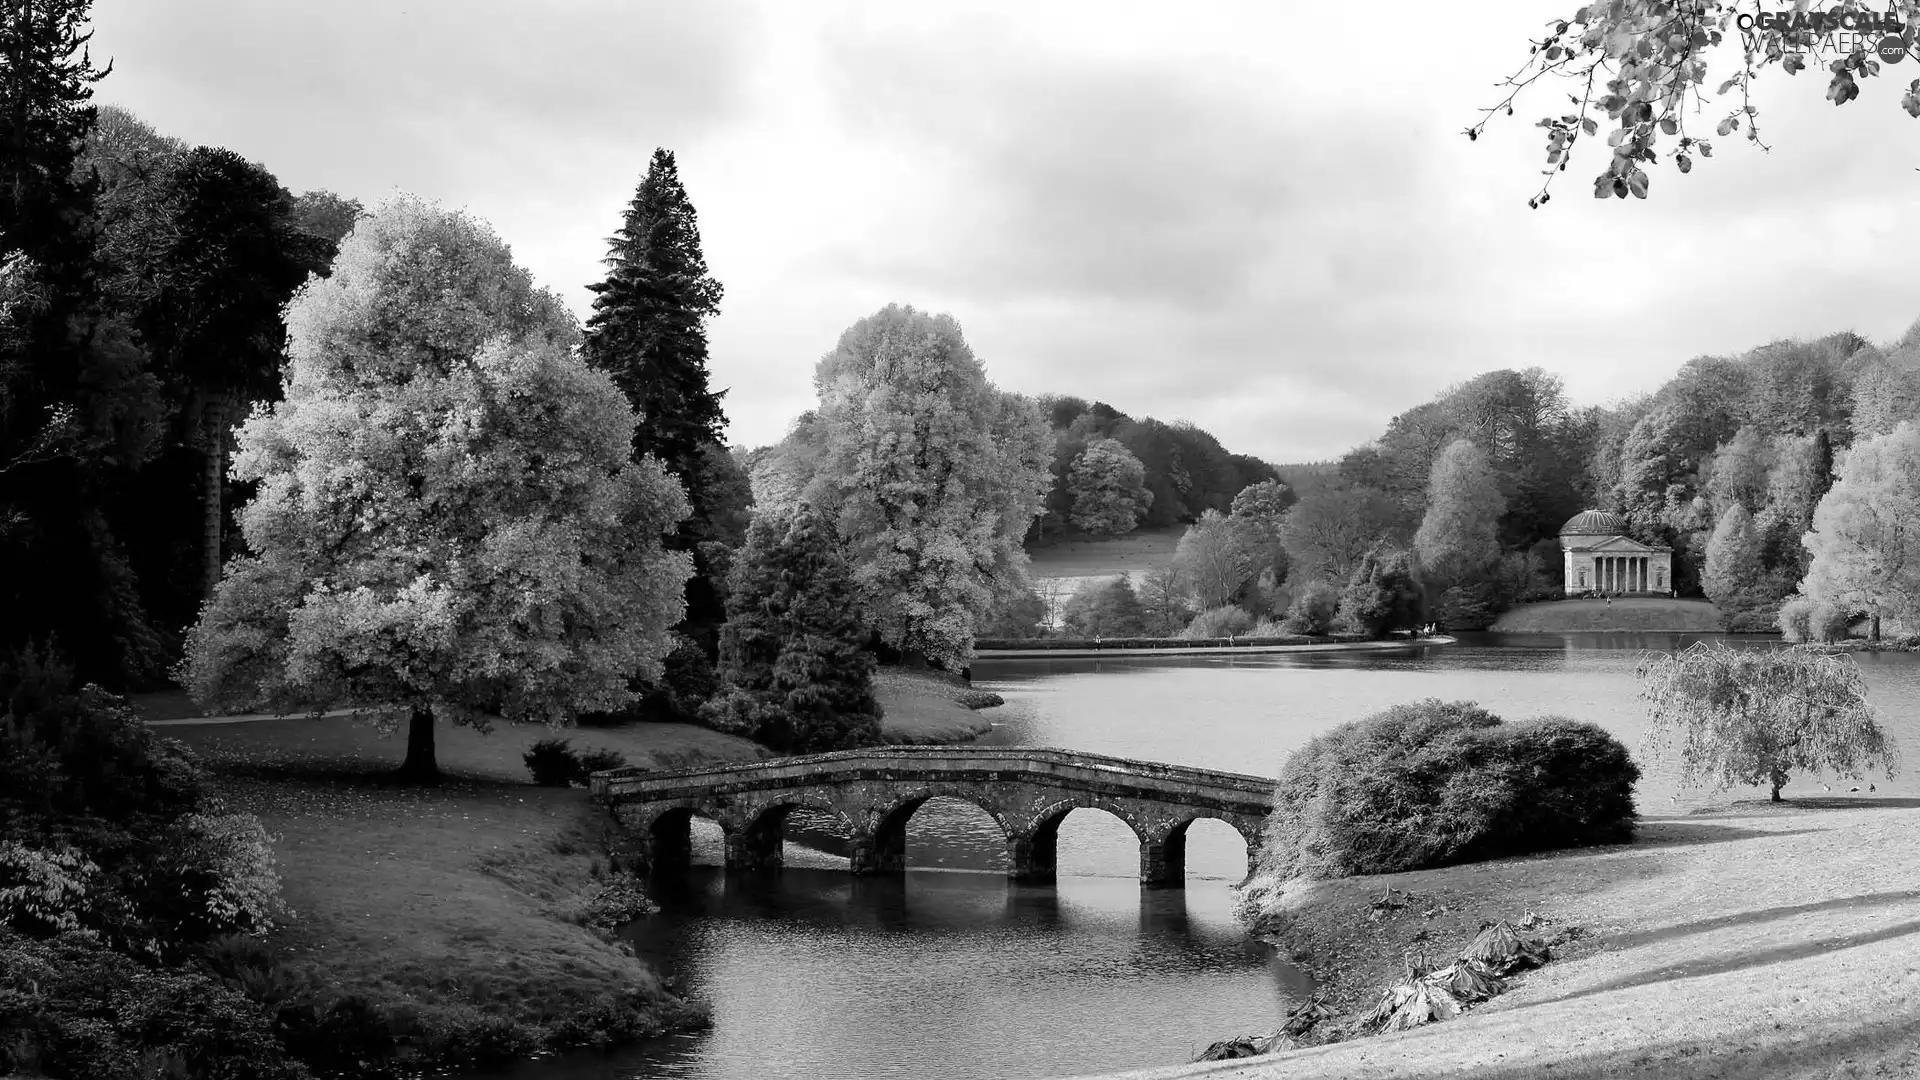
954 973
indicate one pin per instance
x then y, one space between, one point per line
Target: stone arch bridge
873 792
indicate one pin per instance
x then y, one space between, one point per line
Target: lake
954 973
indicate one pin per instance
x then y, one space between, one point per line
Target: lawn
1759 940
1135 553
1630 613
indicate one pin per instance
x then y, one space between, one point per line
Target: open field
1760 940
1135 553
1642 614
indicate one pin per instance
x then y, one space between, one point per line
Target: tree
1459 536
792 653
1383 595
206 255
1108 487
1212 561
1259 514
326 215
1328 532
1752 717
648 328
449 521
1733 571
932 475
1653 56
1865 541
1101 609
1163 602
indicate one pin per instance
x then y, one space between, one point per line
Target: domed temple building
1601 557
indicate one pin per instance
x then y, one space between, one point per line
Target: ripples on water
954 973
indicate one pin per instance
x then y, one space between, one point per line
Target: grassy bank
460 911
924 708
1629 614
1135 553
1759 940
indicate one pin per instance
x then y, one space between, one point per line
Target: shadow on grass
1834 802
352 773
1669 833
1750 959
1751 918
1885 1049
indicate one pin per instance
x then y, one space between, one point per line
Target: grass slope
1760 940
1642 614
1135 553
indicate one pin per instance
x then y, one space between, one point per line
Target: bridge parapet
1028 791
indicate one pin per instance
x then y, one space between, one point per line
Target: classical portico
1601 557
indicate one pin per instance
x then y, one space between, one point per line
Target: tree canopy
449 522
1755 716
1108 487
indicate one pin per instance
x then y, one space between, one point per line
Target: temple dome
1594 523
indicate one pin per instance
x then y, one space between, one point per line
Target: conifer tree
1383 595
648 331
792 653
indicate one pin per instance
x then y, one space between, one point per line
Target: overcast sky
1261 218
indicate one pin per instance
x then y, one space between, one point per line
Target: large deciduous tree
449 521
1865 541
1212 561
1733 571
793 654
1383 595
933 477
1748 716
1108 488
1459 539
1637 64
1328 532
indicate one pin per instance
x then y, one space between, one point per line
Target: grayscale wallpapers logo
1837 29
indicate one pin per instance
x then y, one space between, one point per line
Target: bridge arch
1174 839
757 832
660 835
883 849
1034 851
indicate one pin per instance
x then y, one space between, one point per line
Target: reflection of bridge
873 793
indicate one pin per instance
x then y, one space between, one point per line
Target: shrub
1224 621
1466 607
1383 594
1436 783
1313 610
214 876
1829 623
1796 619
552 762
1103 609
1022 617
44 892
593 761
70 1008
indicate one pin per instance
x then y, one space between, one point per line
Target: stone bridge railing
1028 792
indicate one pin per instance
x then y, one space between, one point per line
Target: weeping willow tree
1751 717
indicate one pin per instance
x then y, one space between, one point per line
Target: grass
1759 940
463 906
1641 614
923 707
1135 553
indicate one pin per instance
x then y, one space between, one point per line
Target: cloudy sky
1261 218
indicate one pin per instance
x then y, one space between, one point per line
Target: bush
1434 784
71 1008
1796 620
1223 621
1022 617
1102 609
552 762
593 761
212 876
44 893
1466 607
1313 610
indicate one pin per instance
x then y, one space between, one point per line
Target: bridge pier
1163 863
757 848
1034 858
882 852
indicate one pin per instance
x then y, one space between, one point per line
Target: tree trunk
1873 629
213 520
1779 781
420 766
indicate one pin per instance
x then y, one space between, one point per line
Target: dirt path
1758 941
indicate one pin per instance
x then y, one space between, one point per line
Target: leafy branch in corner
1639 61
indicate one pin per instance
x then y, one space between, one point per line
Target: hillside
1651 615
